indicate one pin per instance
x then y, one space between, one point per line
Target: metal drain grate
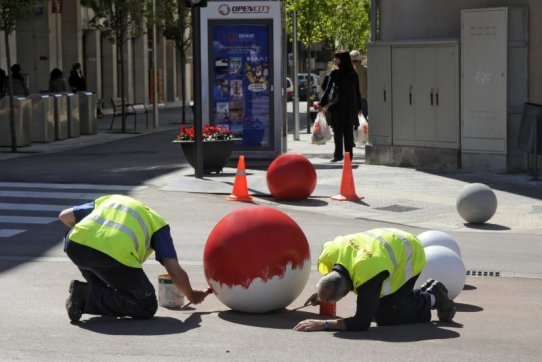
397 208
479 273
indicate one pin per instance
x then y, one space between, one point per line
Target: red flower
210 133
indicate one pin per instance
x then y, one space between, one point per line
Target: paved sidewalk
422 198
415 197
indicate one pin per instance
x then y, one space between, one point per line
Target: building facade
448 81
60 36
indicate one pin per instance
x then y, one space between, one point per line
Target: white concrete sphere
257 260
476 203
435 237
445 266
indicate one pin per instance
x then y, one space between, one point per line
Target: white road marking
6 233
72 186
50 195
32 207
27 219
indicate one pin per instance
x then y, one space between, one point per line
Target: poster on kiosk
241 73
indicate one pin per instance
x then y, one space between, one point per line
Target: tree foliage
174 21
344 23
12 11
118 20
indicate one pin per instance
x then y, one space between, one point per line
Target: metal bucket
169 295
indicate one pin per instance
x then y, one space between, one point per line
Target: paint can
328 309
169 295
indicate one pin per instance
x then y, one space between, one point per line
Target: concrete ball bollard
291 177
257 260
435 237
476 203
444 265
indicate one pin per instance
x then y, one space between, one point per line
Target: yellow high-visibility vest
369 253
120 227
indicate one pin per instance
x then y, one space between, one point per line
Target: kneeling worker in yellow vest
381 266
110 239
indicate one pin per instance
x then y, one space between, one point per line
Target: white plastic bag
361 135
321 132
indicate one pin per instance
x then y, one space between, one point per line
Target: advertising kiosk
241 61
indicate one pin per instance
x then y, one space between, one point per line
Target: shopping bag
361 135
320 133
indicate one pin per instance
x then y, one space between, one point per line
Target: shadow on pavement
285 319
486 226
519 184
404 333
307 202
129 161
156 326
469 308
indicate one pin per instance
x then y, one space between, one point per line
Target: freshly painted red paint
291 177
253 242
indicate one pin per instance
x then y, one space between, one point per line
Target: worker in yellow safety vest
110 239
381 266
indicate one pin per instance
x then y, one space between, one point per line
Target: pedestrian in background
17 81
109 241
343 116
56 81
77 80
381 266
361 70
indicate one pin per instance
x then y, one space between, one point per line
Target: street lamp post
195 5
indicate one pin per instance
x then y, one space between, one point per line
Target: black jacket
349 105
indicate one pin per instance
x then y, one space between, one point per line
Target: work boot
76 300
445 306
427 284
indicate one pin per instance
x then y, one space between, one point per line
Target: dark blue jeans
113 289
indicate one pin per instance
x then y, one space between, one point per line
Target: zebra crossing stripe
51 195
72 186
33 207
6 233
27 219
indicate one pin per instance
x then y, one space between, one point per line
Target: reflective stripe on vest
117 226
387 283
140 221
387 288
408 249
120 227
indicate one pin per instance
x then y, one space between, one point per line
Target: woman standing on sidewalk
343 115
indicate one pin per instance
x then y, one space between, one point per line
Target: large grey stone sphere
476 203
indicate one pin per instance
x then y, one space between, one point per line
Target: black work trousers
406 305
113 289
341 131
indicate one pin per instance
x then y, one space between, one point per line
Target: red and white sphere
291 177
257 259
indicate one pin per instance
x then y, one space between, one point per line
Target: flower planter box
215 153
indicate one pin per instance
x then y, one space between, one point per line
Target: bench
131 109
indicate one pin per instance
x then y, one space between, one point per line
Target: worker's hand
309 325
313 300
199 295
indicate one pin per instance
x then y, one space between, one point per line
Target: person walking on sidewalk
109 241
342 116
381 266
361 71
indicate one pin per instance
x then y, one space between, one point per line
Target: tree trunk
11 98
183 84
120 50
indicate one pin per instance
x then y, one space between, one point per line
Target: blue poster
241 97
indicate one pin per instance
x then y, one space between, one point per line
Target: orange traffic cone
348 189
240 188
